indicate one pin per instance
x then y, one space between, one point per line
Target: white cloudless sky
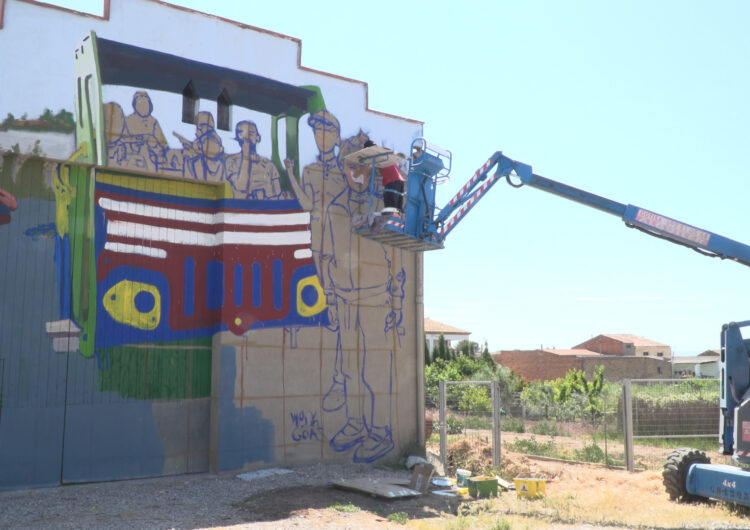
642 102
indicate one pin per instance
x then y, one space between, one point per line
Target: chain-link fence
469 419
633 423
659 415
476 422
579 428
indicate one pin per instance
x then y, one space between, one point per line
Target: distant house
704 365
548 364
433 329
626 345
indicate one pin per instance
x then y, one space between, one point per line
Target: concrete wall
616 369
177 306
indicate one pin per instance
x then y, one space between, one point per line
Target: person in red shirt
393 184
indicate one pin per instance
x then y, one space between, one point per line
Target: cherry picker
688 474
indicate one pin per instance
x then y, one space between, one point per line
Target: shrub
545 429
475 398
590 453
398 517
454 425
511 424
532 447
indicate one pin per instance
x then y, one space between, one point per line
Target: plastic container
530 488
482 487
462 477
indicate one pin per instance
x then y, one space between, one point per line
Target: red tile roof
632 339
433 326
587 353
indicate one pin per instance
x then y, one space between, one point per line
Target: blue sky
642 102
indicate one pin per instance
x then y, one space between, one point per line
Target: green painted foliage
62 121
157 373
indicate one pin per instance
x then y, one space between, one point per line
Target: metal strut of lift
651 223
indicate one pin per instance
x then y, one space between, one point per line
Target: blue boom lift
688 473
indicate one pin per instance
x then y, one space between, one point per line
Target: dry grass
584 495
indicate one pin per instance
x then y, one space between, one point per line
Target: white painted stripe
173 214
136 249
302 253
191 237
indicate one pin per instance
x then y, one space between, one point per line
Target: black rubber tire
675 471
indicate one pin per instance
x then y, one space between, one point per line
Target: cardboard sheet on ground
419 483
376 487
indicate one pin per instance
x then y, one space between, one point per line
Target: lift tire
675 472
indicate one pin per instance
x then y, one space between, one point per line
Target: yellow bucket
530 488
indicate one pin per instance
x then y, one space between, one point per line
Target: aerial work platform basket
415 229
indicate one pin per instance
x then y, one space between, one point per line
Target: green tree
439 370
7 122
443 348
47 116
467 347
486 357
567 397
475 398
427 357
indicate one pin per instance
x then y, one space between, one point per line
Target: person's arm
304 200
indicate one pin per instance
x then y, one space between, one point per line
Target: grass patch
704 444
348 507
501 525
546 429
511 424
533 447
398 517
477 422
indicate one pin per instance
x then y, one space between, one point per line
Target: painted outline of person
204 156
352 303
143 134
251 175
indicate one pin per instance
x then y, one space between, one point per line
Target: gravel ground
184 501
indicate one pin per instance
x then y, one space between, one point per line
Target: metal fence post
627 423
443 422
496 408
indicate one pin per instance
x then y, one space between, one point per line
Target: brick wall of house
536 365
605 345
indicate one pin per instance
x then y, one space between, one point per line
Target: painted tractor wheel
676 469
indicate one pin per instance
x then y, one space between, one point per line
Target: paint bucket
530 488
462 477
482 487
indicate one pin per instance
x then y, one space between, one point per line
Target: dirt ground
577 496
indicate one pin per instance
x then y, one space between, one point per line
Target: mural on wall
151 259
137 142
364 299
157 283
179 260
